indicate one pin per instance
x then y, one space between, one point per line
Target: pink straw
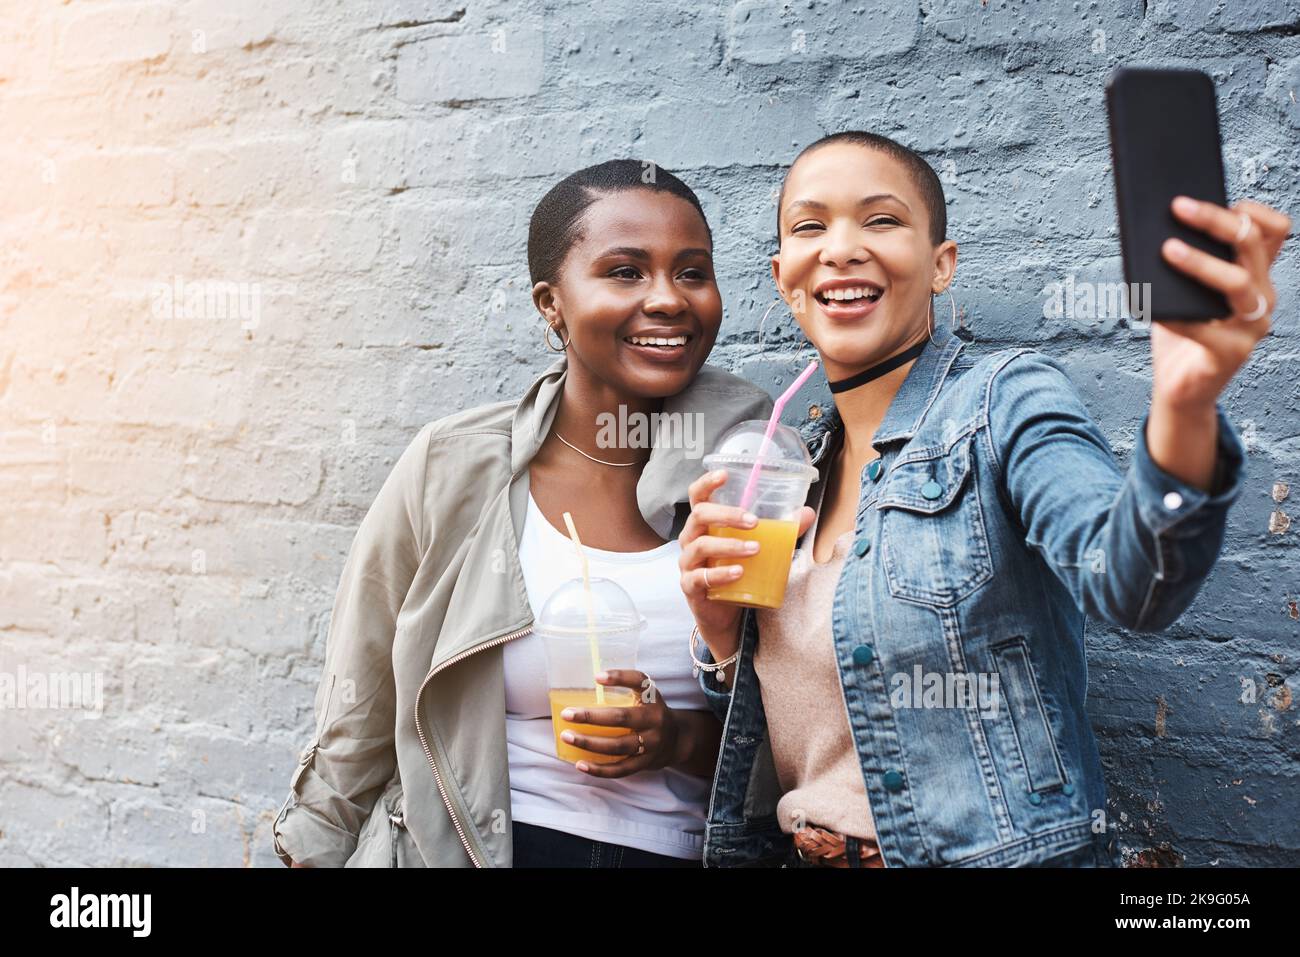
751 486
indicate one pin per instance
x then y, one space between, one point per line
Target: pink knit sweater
816 762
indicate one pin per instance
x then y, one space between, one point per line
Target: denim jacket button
863 655
1067 789
861 547
931 489
893 781
874 470
1035 798
1173 501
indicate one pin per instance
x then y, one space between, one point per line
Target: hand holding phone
1203 260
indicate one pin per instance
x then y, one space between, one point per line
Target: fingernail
603 676
1185 204
582 766
567 714
751 547
567 736
719 474
750 518
735 571
1176 248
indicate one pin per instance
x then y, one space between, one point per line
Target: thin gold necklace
622 465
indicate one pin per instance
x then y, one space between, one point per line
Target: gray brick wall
181 488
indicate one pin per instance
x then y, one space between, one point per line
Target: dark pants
545 847
1090 855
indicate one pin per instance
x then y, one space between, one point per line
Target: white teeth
842 295
657 340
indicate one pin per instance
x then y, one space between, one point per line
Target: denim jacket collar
917 393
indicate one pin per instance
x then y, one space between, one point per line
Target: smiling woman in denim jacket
920 698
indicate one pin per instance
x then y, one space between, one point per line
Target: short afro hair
555 225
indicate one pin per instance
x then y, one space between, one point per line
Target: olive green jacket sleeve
351 755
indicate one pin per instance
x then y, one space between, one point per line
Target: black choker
876 371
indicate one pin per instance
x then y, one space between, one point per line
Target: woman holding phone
919 699
433 743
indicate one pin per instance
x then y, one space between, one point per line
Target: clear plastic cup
785 475
570 670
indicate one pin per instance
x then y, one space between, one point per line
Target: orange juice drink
762 585
562 698
768 474
588 626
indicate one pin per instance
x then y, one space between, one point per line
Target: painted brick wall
249 248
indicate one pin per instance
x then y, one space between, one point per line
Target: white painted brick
505 60
116 32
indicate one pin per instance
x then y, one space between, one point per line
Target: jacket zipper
442 791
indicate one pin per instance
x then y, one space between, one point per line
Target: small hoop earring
810 347
546 334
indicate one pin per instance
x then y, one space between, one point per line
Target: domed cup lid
565 611
785 452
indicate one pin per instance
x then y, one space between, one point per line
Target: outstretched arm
1133 549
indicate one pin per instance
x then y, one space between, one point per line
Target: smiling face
636 296
856 265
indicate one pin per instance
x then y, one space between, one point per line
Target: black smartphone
1164 142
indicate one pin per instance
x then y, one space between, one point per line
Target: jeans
536 846
1094 854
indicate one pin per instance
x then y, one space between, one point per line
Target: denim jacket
994 521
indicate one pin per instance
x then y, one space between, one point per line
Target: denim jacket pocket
935 546
1027 717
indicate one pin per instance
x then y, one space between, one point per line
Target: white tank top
660 811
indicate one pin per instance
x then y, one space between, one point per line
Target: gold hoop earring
546 334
